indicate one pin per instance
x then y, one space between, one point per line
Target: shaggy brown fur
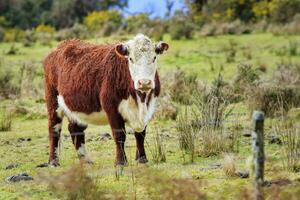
91 78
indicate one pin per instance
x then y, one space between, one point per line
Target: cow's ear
161 47
122 50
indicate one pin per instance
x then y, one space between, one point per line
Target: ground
27 143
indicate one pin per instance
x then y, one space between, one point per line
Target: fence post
258 153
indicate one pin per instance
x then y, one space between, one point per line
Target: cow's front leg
140 155
78 139
118 131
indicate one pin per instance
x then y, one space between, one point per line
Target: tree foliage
280 11
26 14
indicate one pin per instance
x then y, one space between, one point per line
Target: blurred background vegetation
24 20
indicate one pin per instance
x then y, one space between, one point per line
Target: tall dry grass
289 133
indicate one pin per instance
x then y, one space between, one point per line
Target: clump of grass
160 186
158 152
5 120
293 46
287 130
231 51
210 114
187 136
228 165
77 183
13 50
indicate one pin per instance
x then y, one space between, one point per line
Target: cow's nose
144 84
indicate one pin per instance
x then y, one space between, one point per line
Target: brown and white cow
101 84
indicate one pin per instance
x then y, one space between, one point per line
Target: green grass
193 56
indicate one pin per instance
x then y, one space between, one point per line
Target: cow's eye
131 60
154 58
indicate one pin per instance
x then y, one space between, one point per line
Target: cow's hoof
53 163
142 160
122 163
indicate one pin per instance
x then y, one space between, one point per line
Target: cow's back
76 70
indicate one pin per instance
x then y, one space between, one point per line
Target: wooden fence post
258 153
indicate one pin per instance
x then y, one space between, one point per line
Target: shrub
181 26
156 29
137 23
77 31
29 38
166 109
180 85
9 83
45 29
245 77
96 20
277 95
13 35
273 99
283 11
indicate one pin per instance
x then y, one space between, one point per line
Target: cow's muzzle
144 85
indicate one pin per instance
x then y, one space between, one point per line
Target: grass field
205 57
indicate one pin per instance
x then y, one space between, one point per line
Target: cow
113 84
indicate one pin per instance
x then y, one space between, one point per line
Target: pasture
183 160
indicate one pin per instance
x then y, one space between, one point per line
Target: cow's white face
142 55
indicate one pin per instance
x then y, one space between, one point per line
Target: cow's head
142 56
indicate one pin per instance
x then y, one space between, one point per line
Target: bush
180 86
9 83
181 26
284 10
29 38
77 31
13 35
95 21
166 109
291 28
137 23
246 76
141 23
45 29
156 29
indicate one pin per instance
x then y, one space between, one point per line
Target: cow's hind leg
54 125
78 139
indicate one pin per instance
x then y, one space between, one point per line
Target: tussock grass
228 165
289 133
5 120
158 150
77 183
